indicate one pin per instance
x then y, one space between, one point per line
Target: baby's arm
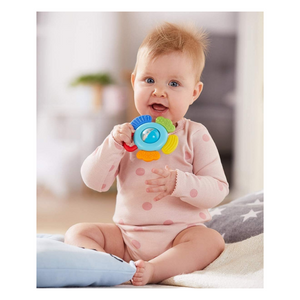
207 186
100 168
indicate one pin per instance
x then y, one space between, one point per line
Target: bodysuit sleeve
207 186
100 168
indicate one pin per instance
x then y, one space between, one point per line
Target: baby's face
165 86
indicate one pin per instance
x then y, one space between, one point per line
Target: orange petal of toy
170 145
148 155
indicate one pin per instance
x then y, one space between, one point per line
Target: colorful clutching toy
150 137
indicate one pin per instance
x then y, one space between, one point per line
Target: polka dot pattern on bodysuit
187 155
136 244
168 222
202 215
205 137
138 228
193 193
140 171
147 205
167 218
220 185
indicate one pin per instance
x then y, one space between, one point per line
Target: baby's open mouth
159 107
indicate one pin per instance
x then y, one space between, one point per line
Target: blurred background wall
70 125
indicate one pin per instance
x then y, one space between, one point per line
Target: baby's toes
138 274
138 277
137 280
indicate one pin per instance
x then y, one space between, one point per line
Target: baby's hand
164 184
123 133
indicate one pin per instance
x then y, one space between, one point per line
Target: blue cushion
60 265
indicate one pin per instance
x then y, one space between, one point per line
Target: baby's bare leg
193 249
101 237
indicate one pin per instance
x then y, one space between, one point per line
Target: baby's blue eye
149 80
174 83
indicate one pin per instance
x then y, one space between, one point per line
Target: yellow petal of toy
170 145
148 155
167 123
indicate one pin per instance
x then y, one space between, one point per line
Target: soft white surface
239 266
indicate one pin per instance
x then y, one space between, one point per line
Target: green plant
97 78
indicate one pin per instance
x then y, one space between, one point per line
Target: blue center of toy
150 135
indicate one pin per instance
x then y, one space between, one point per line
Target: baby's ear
197 91
132 79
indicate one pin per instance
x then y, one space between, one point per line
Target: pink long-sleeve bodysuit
149 227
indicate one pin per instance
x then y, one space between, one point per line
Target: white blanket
239 266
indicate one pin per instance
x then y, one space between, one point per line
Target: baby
161 205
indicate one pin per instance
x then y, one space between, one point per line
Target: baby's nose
159 92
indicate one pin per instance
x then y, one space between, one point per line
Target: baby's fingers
125 138
158 181
156 189
162 172
128 128
160 196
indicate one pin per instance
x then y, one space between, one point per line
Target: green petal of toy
167 123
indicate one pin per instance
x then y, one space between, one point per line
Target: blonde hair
169 37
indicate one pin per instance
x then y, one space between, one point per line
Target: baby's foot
143 274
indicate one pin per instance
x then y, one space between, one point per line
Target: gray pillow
240 219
